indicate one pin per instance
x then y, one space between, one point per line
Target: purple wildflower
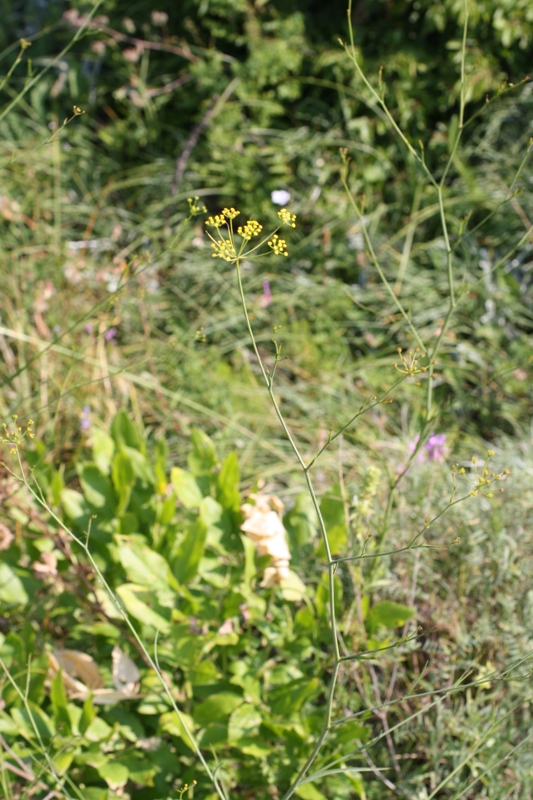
433 449
85 420
89 328
266 297
435 446
110 334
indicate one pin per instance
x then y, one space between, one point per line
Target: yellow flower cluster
224 249
287 218
224 245
215 222
230 213
279 246
14 437
252 228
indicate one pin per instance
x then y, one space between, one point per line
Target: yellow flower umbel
251 229
227 248
287 218
15 436
279 246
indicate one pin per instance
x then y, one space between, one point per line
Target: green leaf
289 698
252 746
114 774
123 479
301 522
124 432
387 614
88 714
292 588
59 705
228 483
216 708
140 465
145 567
63 760
215 735
136 603
98 731
160 466
189 553
98 489
187 490
74 505
12 591
171 723
103 449
332 510
203 458
244 722
309 792
187 647
204 673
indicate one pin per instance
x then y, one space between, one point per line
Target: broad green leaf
301 521
171 723
124 431
216 708
228 483
129 724
140 465
98 489
74 505
187 490
203 458
63 760
146 567
12 591
187 647
141 769
309 792
33 717
289 698
189 553
98 731
292 587
387 614
244 722
136 603
103 449
253 746
215 735
114 774
204 673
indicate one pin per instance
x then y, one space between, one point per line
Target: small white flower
280 197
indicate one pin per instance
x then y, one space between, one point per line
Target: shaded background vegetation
231 101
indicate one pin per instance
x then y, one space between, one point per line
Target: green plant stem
268 378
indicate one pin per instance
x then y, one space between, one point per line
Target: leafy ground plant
129 567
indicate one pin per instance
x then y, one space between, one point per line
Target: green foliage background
230 101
